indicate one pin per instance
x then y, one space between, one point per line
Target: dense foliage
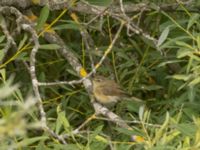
160 65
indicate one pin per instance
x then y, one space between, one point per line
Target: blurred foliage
168 82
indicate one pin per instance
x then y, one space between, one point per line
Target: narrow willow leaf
73 26
68 146
172 136
161 132
129 132
23 56
183 53
2 54
3 73
170 62
43 17
195 81
29 141
190 63
49 46
163 36
191 93
198 42
100 2
2 38
62 121
194 18
22 42
141 112
170 43
183 44
181 77
101 139
187 129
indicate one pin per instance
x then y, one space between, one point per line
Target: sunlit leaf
22 42
181 77
43 17
183 44
183 53
163 36
195 81
141 112
49 46
194 18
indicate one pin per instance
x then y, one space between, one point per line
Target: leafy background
166 77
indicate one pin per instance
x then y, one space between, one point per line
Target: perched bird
107 91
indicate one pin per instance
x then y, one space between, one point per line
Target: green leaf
194 18
195 81
163 36
2 38
67 146
187 129
183 44
95 135
151 87
29 141
43 17
49 46
181 77
73 26
101 139
129 132
100 2
133 106
183 53
42 146
162 131
62 121
22 42
3 73
170 43
141 112
23 56
191 93
2 54
198 42
169 62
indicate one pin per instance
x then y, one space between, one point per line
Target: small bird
107 91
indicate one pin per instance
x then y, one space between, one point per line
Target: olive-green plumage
107 91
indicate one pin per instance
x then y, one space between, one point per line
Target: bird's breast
105 99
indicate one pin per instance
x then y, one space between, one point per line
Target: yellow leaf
36 1
101 139
74 17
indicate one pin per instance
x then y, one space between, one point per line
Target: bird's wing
113 90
